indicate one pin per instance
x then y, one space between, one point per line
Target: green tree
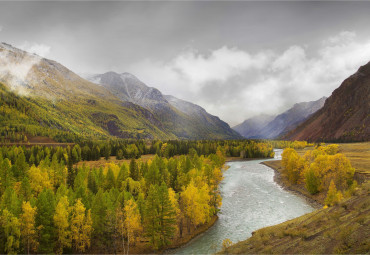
44 220
152 222
167 216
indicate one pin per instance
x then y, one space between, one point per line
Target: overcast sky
235 59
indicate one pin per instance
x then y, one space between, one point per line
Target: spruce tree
44 219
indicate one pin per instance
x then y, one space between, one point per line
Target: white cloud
15 68
36 48
236 84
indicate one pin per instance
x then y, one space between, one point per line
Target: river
250 200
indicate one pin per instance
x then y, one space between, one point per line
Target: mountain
291 118
251 128
63 102
198 115
39 96
261 127
129 88
184 119
345 116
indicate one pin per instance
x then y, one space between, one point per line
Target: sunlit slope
57 99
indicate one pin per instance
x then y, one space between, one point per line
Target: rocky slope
261 127
184 119
345 115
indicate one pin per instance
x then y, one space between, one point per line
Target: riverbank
316 201
187 238
341 229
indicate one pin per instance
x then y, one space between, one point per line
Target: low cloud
36 48
236 84
15 67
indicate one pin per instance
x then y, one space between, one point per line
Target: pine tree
44 220
134 170
167 216
152 222
110 180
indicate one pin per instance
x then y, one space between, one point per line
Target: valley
184 127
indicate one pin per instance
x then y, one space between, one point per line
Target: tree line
49 205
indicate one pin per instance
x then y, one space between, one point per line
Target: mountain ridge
345 116
186 119
270 127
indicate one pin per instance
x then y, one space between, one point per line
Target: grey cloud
148 38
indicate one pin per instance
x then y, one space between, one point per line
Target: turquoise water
251 200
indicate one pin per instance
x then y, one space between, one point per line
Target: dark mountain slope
345 115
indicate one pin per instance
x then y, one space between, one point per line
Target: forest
49 205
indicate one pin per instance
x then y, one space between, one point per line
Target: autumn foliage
320 170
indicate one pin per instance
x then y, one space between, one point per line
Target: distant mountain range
56 100
270 127
345 116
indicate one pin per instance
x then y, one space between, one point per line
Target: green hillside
66 120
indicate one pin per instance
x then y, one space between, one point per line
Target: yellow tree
175 205
132 222
39 179
81 227
11 228
333 197
28 228
61 222
195 203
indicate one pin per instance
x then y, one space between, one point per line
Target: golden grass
358 154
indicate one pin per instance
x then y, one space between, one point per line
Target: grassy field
359 155
341 229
